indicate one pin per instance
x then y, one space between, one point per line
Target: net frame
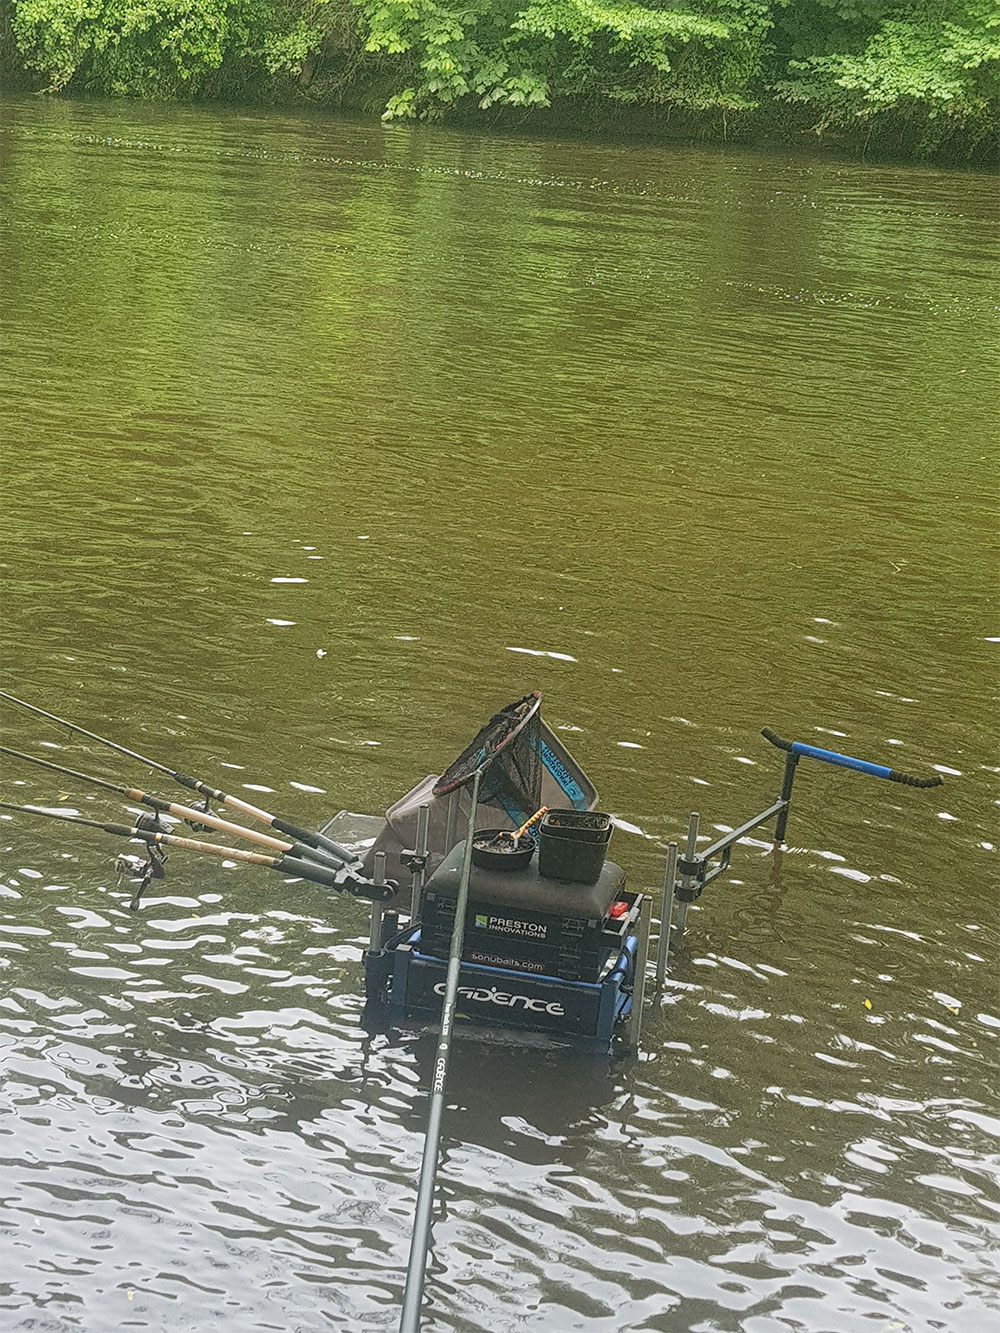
495 741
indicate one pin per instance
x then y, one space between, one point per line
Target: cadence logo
490 995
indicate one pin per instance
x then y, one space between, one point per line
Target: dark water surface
322 440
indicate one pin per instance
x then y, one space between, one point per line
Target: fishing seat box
496 1004
520 920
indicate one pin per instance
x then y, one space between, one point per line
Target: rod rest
799 749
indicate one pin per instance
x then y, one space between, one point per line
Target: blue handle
841 760
847 761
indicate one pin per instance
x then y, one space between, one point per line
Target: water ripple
694 437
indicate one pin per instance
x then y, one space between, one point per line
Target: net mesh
506 754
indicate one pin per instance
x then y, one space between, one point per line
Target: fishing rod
310 839
421 1235
340 880
198 819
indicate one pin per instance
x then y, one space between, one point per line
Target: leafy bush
164 48
846 63
935 61
501 52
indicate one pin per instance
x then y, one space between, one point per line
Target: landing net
505 752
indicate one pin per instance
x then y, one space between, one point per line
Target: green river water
321 441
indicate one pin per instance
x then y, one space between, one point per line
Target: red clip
617 910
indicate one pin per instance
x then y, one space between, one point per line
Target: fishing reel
141 870
194 824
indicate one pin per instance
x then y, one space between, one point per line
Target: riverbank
772 125
922 86
775 126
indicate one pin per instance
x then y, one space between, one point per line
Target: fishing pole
340 880
198 819
421 1235
310 839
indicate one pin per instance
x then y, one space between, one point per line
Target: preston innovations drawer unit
523 921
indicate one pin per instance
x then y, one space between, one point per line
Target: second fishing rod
286 865
307 837
198 819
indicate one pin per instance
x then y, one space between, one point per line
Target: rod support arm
799 748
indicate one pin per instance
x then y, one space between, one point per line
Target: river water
322 440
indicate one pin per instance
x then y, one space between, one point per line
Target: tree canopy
932 65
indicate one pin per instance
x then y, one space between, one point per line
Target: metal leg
786 795
639 982
375 940
686 881
423 819
451 824
666 913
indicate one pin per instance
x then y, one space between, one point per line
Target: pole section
421 1235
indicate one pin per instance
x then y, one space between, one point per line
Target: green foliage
844 62
500 52
935 60
163 48
132 45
